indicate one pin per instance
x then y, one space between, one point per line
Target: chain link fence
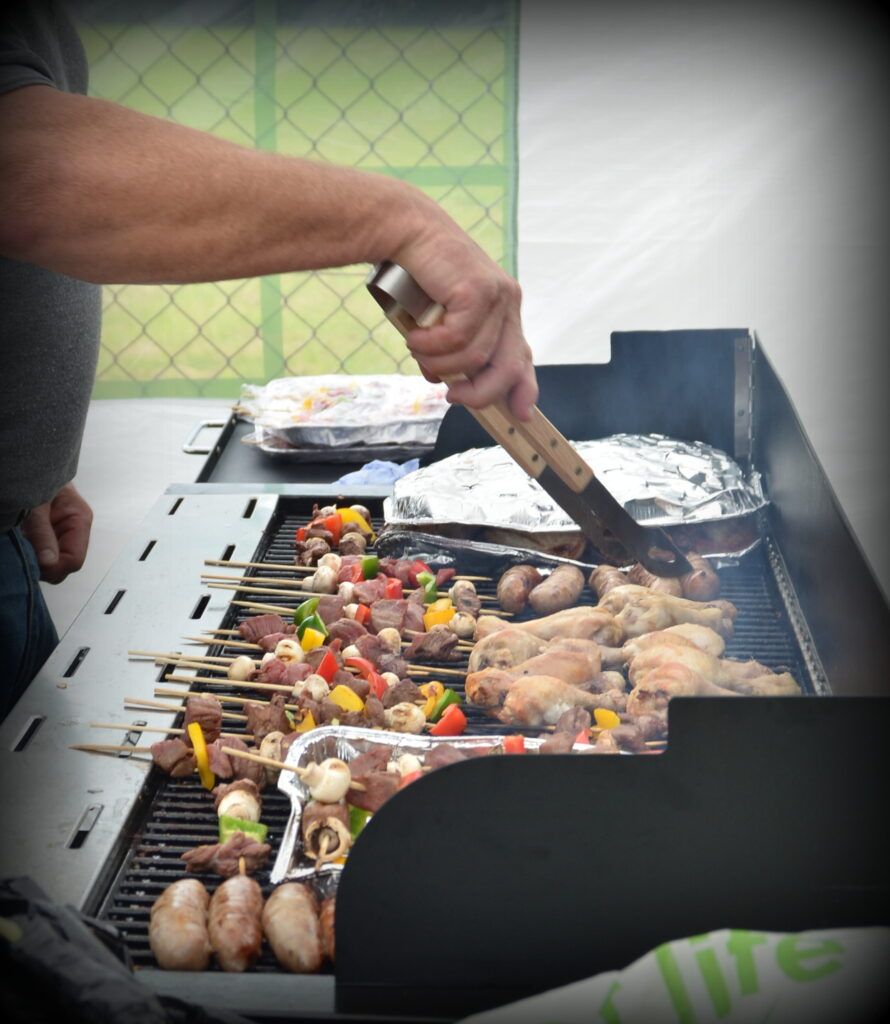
423 91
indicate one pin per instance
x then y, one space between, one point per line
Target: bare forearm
103 193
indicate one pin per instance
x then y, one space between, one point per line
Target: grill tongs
538 447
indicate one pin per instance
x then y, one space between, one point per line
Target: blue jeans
27 633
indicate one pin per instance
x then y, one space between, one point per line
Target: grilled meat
255 627
540 700
224 858
703 583
749 677
465 599
438 644
640 575
654 690
573 661
584 623
265 718
560 590
177 931
325 831
683 634
380 654
174 757
347 631
504 648
515 586
326 918
605 578
236 933
207 712
638 610
292 928
244 769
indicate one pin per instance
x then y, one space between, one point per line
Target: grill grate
180 814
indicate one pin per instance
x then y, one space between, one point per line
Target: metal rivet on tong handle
537 446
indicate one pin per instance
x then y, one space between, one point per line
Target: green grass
427 105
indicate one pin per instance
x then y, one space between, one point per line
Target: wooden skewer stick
172 656
108 748
222 578
168 730
434 670
221 632
159 705
275 609
275 591
188 663
207 681
420 632
210 641
284 587
162 691
279 765
305 568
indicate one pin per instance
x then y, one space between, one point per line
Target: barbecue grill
502 876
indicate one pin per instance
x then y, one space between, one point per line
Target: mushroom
329 781
463 624
405 717
289 650
241 669
392 638
347 592
390 678
330 561
325 580
326 839
240 804
270 746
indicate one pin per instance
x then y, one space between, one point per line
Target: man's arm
102 193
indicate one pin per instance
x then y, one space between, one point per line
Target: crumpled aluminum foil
660 481
347 742
334 410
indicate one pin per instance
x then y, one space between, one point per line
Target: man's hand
59 532
480 335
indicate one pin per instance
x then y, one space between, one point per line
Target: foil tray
347 742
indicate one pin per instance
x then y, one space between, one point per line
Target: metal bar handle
189 446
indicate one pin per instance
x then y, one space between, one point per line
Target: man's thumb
40 533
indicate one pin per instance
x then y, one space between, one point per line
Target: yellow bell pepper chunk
306 724
196 735
438 613
349 515
605 718
346 698
432 691
312 638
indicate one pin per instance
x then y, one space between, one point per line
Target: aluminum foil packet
660 481
337 410
346 743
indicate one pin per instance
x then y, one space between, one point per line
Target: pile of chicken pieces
631 653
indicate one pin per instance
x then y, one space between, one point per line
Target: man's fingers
38 528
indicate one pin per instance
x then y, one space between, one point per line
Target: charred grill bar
763 813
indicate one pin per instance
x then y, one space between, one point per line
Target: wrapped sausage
291 925
235 928
560 590
177 932
515 586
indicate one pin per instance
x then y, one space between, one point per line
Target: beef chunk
379 787
244 769
207 712
442 754
353 543
444 575
330 608
374 712
369 591
265 718
223 858
347 631
558 743
257 626
439 644
174 757
388 613
573 721
220 763
380 655
405 690
245 785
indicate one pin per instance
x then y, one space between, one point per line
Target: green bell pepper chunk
430 592
370 566
358 818
228 826
448 698
313 621
304 610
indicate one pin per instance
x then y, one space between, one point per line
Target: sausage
605 578
290 922
661 584
559 591
703 583
515 586
236 934
177 931
326 920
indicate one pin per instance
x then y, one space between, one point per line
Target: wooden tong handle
535 443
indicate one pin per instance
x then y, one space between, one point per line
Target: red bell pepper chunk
300 535
514 744
392 588
365 667
416 567
362 614
328 666
353 573
406 780
583 737
452 723
377 683
334 525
